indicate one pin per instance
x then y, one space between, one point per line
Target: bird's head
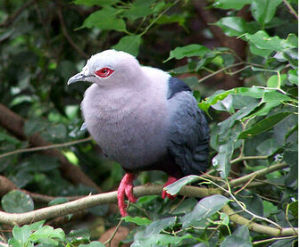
107 68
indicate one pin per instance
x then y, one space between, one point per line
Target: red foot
164 193
125 188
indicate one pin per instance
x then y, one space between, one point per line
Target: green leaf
293 208
186 206
21 235
271 96
41 163
263 11
225 105
8 138
222 160
17 201
292 40
105 19
141 221
233 26
47 234
254 92
263 125
21 99
229 122
211 100
146 199
205 208
158 225
37 225
231 4
239 238
275 81
269 208
265 109
158 240
58 200
224 219
293 76
284 243
263 45
188 51
130 44
33 126
268 147
139 9
228 131
58 131
168 19
174 188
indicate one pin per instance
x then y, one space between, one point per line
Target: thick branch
111 197
6 185
15 123
272 231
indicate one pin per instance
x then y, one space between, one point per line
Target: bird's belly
133 139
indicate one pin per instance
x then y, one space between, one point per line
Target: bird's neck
113 99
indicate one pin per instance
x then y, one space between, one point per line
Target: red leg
125 188
165 193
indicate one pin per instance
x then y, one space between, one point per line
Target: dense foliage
241 60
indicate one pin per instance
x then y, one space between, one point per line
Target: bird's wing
188 138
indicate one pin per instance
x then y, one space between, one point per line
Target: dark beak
78 77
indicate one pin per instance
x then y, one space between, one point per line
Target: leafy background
241 60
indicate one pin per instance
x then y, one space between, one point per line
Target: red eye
104 72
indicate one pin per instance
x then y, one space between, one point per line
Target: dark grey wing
188 140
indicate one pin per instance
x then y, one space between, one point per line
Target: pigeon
142 118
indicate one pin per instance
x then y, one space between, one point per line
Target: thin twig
108 241
219 71
291 9
272 239
242 158
244 187
240 204
157 18
287 218
259 173
34 149
67 36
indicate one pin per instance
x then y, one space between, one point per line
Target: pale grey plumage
142 117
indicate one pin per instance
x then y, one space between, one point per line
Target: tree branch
290 8
15 125
256 174
111 197
10 19
35 149
67 36
271 231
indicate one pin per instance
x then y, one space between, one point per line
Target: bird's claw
164 193
125 188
